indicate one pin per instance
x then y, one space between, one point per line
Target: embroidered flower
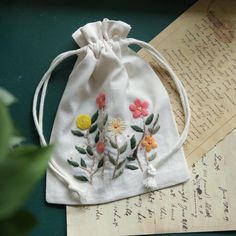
139 108
101 100
116 126
100 147
83 121
149 143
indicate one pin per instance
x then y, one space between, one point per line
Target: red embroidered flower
100 147
101 100
139 108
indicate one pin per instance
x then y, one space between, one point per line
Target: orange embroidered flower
149 143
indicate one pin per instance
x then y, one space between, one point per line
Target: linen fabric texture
113 125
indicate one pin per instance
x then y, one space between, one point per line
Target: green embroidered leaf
119 173
131 167
97 137
152 157
133 142
105 120
150 130
100 163
113 144
149 119
94 117
93 128
137 128
83 163
156 120
77 133
135 153
120 164
73 163
130 158
111 159
80 150
156 129
89 150
123 148
81 178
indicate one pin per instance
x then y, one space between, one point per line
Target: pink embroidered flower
101 100
100 147
139 108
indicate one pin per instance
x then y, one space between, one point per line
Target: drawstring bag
114 133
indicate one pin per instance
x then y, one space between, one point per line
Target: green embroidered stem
146 158
103 167
135 153
117 157
93 158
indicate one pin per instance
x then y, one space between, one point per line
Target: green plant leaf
130 158
19 172
20 224
156 120
133 142
123 148
119 173
94 117
137 128
113 144
83 163
111 159
6 130
73 163
93 128
80 150
120 164
100 163
89 150
81 178
77 133
152 157
97 137
6 98
131 167
149 119
15 141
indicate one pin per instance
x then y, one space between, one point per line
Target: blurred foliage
21 166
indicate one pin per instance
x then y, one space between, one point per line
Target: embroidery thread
101 135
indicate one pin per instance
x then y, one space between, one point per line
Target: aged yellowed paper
201 47
205 203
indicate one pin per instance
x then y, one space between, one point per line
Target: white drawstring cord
39 122
151 171
150 181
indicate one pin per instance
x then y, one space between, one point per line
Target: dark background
32 33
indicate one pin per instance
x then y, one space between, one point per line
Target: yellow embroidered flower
116 126
83 121
149 143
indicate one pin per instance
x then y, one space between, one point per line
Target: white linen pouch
114 134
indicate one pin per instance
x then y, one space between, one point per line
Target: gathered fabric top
96 32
